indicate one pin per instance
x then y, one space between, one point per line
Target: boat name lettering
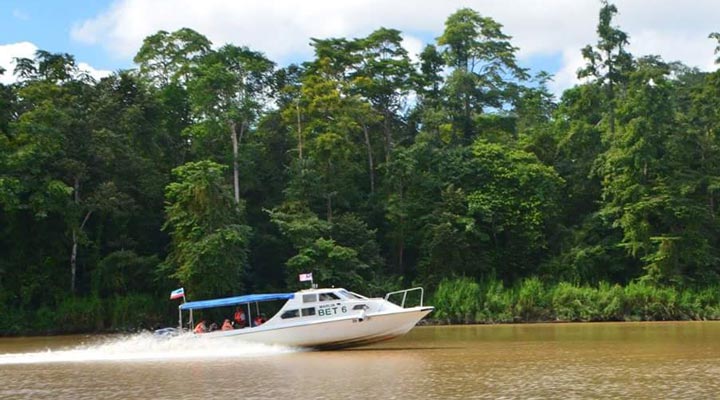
326 311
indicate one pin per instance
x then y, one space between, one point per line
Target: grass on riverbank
131 312
466 301
457 301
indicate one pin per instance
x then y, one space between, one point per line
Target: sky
104 35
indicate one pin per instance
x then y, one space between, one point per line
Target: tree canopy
214 168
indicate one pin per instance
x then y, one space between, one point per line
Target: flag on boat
177 293
306 277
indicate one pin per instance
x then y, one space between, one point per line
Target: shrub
497 303
572 303
457 300
134 311
79 314
533 301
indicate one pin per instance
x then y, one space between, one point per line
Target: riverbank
464 301
90 314
456 301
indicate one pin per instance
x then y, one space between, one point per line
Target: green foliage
330 263
497 304
369 170
167 57
209 238
135 312
124 271
343 252
457 300
533 302
79 314
462 300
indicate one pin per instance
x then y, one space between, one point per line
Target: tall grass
465 301
131 312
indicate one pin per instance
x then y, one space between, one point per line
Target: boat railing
404 295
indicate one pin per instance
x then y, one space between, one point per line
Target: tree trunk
329 208
401 242
611 95
388 137
73 261
370 159
75 235
299 130
73 252
401 250
236 177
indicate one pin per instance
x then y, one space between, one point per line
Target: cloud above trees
282 29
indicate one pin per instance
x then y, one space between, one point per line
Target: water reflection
554 361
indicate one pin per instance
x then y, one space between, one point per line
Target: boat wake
146 347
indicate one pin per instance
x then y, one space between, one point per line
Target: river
672 360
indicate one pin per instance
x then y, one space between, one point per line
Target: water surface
543 361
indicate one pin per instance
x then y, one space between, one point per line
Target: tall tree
229 90
383 77
166 57
484 69
608 63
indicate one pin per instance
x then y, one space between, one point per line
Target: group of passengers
239 321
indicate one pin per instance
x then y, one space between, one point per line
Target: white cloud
95 73
413 45
566 77
8 53
674 29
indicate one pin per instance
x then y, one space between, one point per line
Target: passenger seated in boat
259 320
213 327
239 318
227 325
201 327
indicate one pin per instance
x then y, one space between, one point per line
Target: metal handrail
405 292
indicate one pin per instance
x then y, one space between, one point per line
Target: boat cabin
300 307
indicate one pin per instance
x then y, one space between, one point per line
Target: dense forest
213 168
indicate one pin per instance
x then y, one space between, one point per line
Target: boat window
309 298
306 312
351 295
328 296
360 307
290 314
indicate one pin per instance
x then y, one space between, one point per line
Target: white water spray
146 347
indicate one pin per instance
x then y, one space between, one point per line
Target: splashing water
146 347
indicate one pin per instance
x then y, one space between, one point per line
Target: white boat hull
342 332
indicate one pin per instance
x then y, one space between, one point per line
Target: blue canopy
231 301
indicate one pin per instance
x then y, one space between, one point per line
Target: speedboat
327 318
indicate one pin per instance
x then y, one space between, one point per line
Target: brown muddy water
674 360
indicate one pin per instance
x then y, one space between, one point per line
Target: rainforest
213 168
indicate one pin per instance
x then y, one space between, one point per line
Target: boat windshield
351 295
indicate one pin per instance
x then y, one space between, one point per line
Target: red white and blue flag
177 293
306 277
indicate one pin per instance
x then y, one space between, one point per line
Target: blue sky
48 24
105 34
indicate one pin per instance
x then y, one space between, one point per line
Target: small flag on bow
177 293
